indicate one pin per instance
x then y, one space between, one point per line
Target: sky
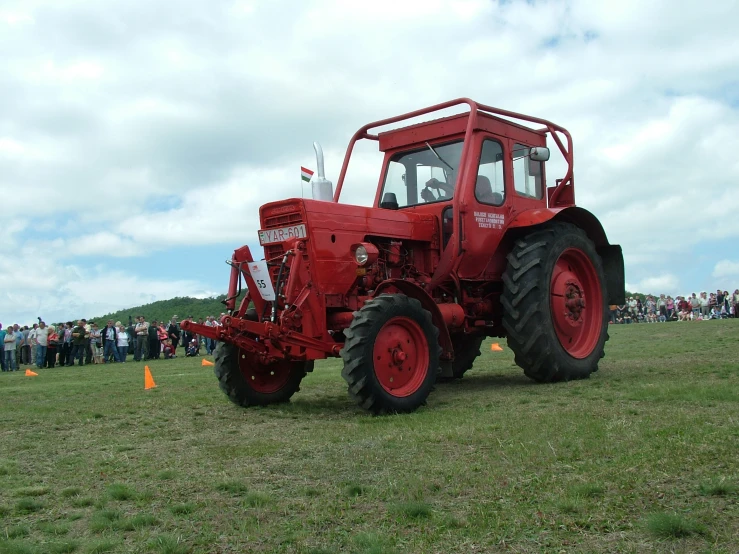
138 139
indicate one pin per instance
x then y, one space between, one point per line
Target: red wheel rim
265 379
401 356
576 303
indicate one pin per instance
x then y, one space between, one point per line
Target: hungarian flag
305 174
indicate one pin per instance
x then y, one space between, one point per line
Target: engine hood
347 220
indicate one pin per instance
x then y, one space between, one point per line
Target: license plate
271 236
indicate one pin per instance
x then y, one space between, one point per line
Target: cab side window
489 187
526 173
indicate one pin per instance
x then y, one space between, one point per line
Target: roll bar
549 127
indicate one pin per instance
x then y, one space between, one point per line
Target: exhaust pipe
323 189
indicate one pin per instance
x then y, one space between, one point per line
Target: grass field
642 457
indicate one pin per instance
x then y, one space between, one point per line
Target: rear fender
611 254
414 291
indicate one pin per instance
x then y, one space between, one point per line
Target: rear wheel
554 302
248 382
391 355
466 351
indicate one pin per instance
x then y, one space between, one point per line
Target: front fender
414 291
577 216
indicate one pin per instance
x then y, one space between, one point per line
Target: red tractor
464 241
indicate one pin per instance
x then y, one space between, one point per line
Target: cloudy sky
138 138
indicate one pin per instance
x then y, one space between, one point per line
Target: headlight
365 253
360 255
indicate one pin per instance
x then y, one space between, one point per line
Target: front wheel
248 382
391 354
554 302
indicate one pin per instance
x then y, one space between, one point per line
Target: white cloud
665 283
726 268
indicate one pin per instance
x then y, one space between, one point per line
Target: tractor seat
389 201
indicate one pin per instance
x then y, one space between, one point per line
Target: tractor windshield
423 175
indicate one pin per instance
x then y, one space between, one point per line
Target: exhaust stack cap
323 189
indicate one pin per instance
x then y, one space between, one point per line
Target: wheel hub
400 356
575 300
262 377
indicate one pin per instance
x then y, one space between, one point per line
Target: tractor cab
483 179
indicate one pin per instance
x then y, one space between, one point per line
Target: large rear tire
391 355
247 382
554 303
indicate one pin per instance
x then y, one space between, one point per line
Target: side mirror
539 154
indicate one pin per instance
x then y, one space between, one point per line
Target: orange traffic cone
495 347
30 373
148 379
207 363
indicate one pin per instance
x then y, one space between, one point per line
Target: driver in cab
483 191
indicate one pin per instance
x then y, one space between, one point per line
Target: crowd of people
87 342
693 307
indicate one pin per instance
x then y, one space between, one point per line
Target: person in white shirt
705 305
31 342
122 342
142 339
9 349
42 342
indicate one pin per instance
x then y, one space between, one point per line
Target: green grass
673 526
639 458
28 505
719 488
182 509
16 532
118 491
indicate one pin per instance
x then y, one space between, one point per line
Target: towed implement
464 241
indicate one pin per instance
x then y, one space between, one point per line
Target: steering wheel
443 190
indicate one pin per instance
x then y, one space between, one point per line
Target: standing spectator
96 343
110 342
720 299
162 335
704 303
651 306
9 349
142 335
26 347
42 342
186 336
123 340
32 342
131 330
174 332
79 343
18 332
662 308
65 345
210 344
2 344
670 306
52 342
88 347
153 337
736 303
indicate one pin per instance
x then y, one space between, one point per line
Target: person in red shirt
683 309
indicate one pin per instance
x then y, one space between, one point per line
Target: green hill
163 310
